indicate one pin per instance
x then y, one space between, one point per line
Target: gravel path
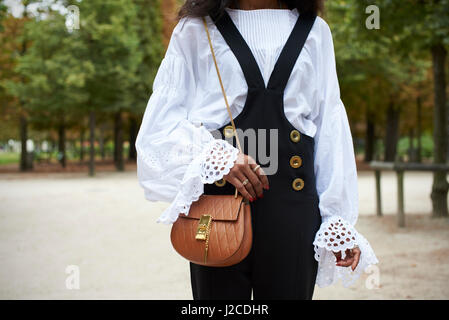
105 228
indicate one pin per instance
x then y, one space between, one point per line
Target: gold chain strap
221 84
222 90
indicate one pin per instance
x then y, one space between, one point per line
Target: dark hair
201 8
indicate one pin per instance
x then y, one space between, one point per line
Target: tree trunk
101 142
24 159
25 163
419 128
411 147
82 133
61 144
115 137
132 154
370 138
392 132
118 144
440 135
92 143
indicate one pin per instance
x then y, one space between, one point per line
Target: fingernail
261 196
266 187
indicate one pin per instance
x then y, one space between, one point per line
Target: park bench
400 167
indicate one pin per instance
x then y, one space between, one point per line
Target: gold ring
256 167
245 182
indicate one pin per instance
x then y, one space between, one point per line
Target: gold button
295 161
295 136
228 131
298 184
220 183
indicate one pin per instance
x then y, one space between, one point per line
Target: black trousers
280 265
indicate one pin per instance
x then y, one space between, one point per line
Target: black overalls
281 263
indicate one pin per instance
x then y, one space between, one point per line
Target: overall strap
241 50
290 53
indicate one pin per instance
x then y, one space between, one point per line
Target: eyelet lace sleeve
215 161
336 177
338 235
175 156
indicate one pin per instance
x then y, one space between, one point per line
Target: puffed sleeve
336 176
175 157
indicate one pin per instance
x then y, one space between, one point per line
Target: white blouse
187 104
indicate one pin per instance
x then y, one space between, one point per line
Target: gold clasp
203 227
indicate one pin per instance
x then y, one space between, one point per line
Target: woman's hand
243 170
351 259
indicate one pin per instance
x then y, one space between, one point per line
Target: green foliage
107 40
426 146
376 67
54 80
106 65
413 24
3 14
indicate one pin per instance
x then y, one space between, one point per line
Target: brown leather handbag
217 230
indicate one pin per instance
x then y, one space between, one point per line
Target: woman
277 64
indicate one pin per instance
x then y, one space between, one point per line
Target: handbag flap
219 207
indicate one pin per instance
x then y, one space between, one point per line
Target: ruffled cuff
334 235
217 161
214 162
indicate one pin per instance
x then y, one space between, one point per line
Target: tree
107 39
10 29
419 25
373 74
54 90
15 43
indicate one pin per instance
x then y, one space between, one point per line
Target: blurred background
75 78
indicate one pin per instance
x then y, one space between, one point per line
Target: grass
72 155
9 157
